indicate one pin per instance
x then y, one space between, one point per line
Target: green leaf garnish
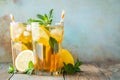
30 69
70 68
78 63
51 14
31 65
11 69
45 19
40 16
53 44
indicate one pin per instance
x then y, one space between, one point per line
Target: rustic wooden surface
3 71
92 71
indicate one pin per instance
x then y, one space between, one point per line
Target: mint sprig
45 19
53 44
70 68
30 69
11 69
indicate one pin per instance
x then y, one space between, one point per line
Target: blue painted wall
92 27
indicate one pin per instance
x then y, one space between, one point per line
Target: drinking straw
62 16
12 18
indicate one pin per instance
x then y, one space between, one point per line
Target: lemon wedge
65 57
23 59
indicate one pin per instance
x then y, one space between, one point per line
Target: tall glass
21 40
47 44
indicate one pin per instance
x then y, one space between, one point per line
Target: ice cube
26 33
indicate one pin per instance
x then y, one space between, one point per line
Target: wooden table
91 71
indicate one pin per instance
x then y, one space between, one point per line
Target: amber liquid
21 39
46 59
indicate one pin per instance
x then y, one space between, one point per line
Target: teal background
92 27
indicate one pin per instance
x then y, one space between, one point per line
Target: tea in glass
21 42
47 44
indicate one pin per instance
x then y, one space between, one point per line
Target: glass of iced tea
21 42
47 44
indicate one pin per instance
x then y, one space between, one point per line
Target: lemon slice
66 57
23 59
44 33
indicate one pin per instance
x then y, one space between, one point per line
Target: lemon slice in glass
23 59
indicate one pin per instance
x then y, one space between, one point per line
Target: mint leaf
78 63
30 69
51 14
11 69
33 20
31 65
70 68
53 44
43 19
40 16
77 69
46 17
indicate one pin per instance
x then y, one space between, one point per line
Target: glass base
42 73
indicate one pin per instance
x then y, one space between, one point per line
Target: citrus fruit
65 57
23 59
44 33
44 41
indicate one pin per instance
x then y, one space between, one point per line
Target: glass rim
19 22
51 25
13 23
